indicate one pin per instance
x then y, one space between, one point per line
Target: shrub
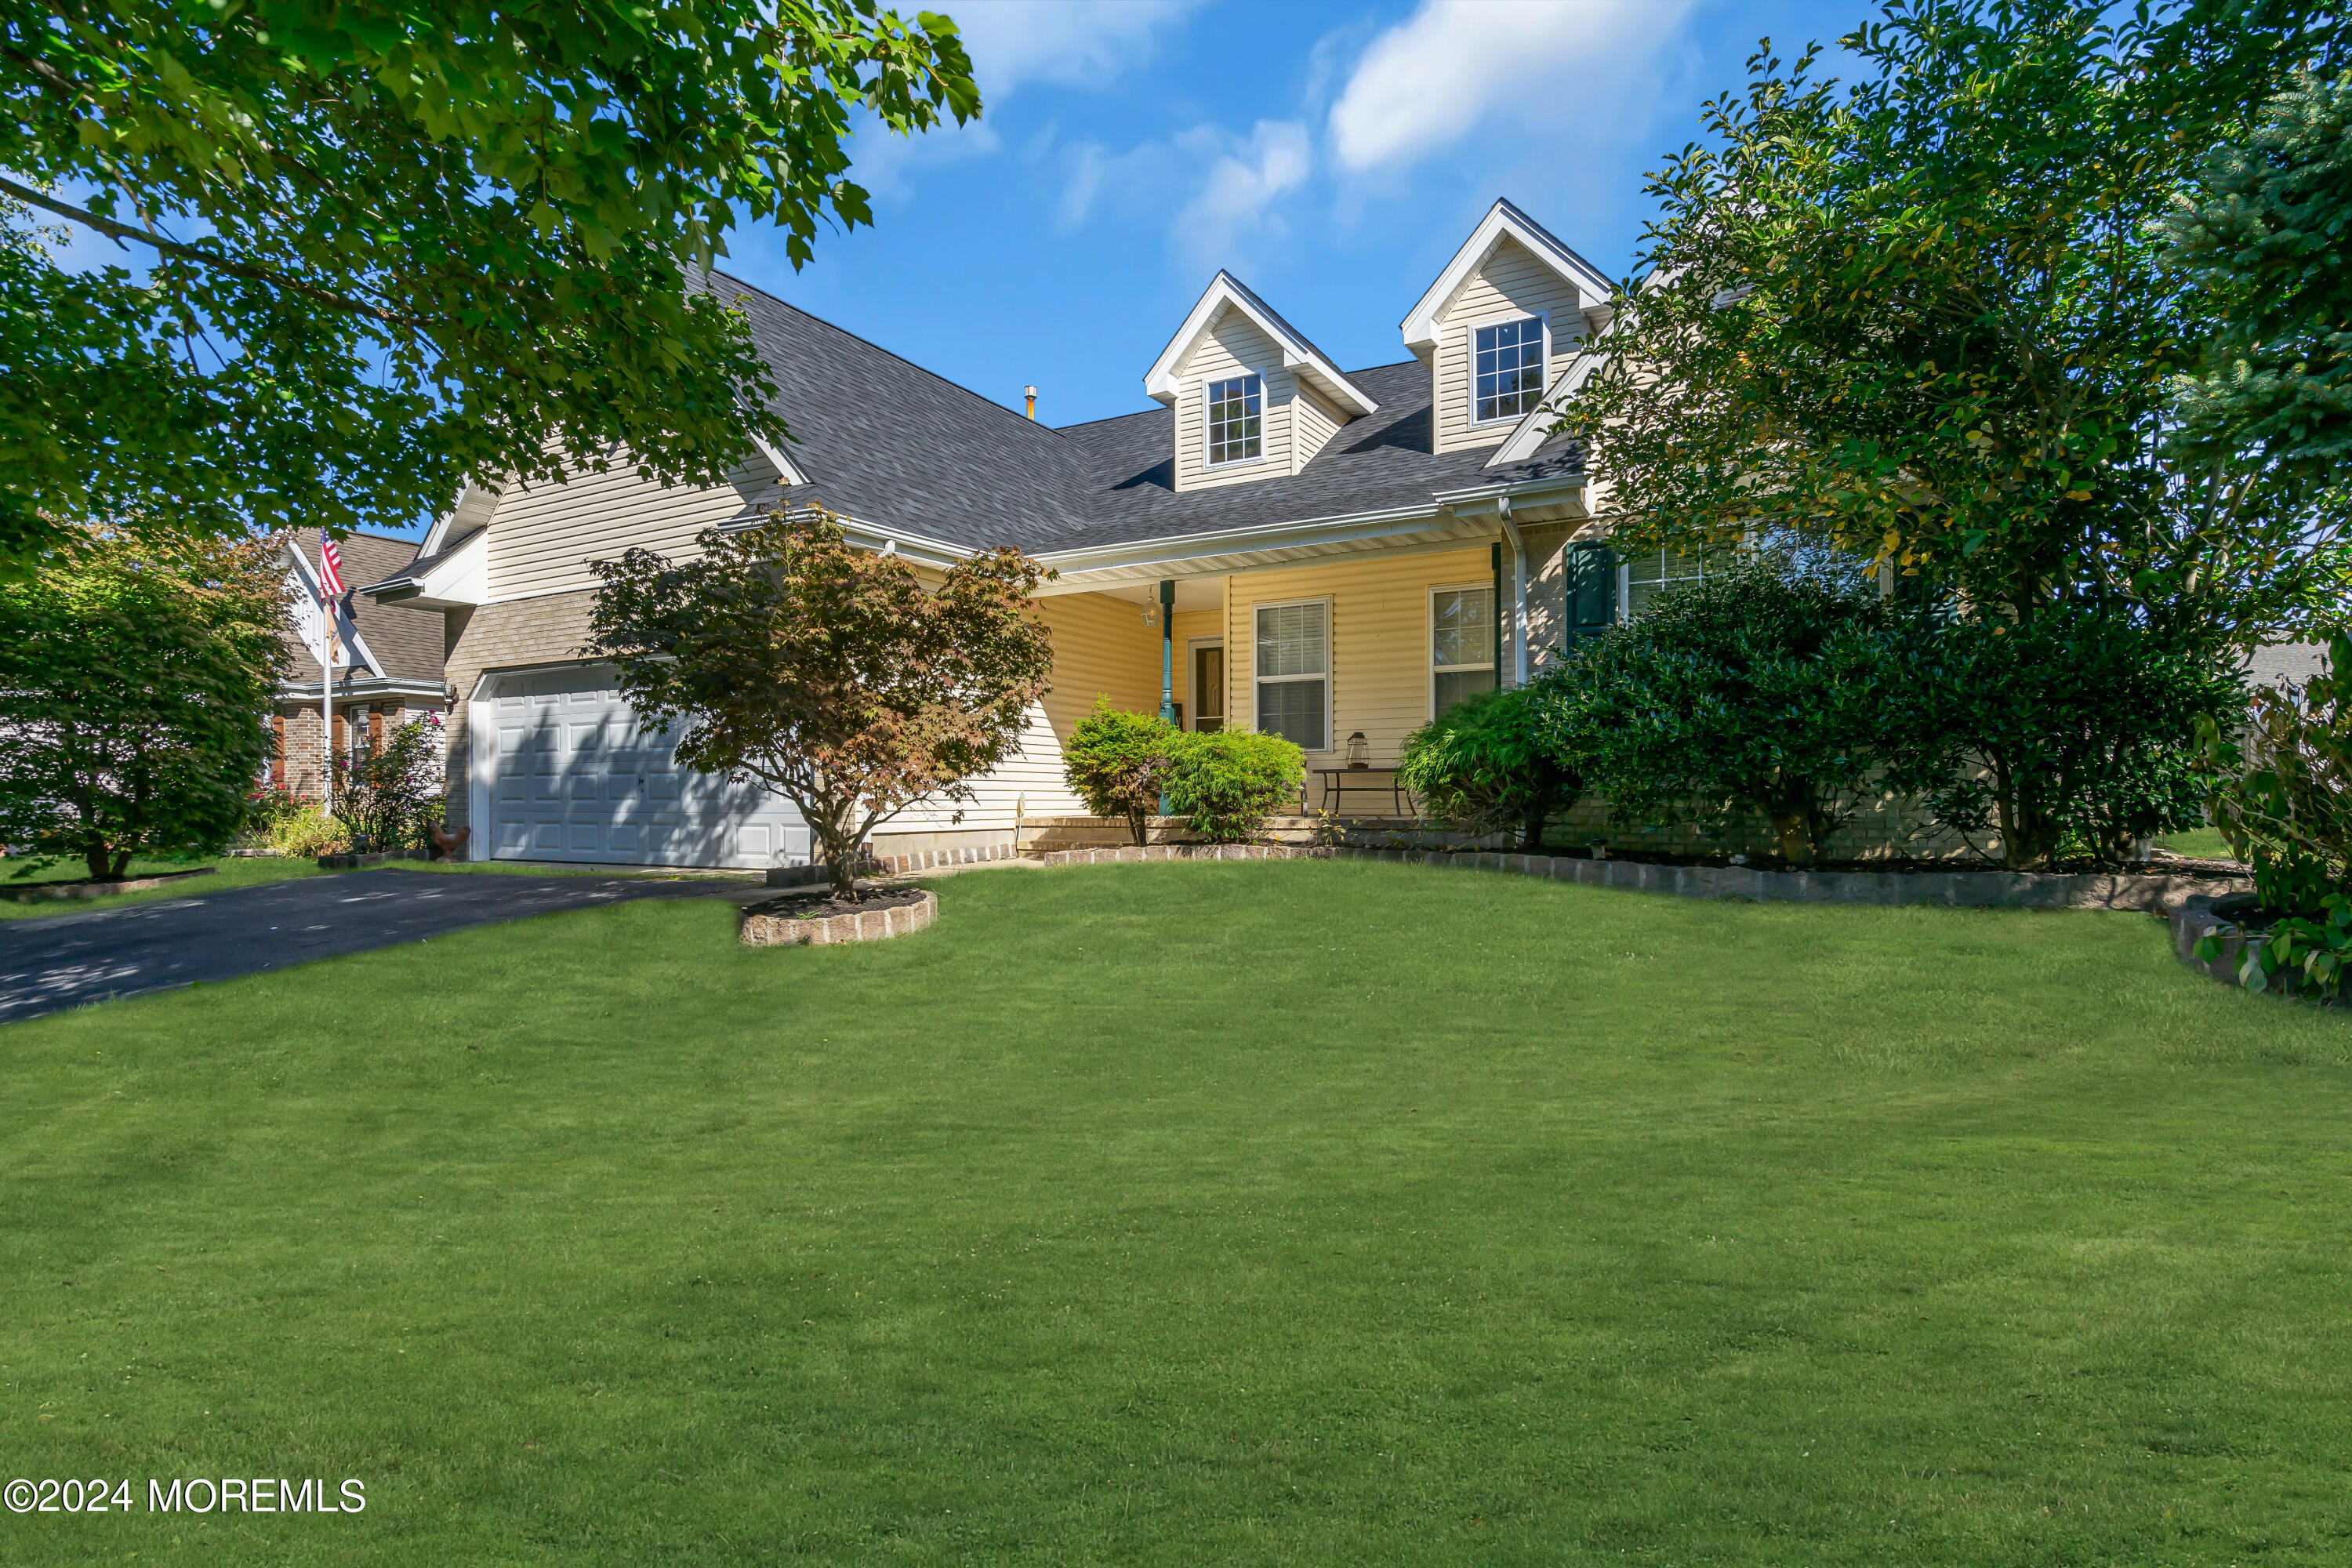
394 787
2073 733
269 804
1483 764
1227 783
1113 761
2282 796
1755 692
307 834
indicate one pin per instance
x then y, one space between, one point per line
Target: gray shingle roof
886 441
408 639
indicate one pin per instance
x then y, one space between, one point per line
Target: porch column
1167 662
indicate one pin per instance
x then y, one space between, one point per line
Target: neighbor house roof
408 640
882 440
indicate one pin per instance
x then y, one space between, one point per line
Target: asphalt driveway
65 961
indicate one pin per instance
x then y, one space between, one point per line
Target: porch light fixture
1359 750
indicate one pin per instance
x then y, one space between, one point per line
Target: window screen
1233 433
1293 673
1462 643
1654 572
1510 368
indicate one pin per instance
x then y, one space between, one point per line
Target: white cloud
1456 65
1076 43
1244 181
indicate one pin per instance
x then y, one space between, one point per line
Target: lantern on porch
1359 750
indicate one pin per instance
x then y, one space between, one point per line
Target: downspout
1495 564
1518 593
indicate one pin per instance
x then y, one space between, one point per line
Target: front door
1208 684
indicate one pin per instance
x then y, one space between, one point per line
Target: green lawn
228 872
2202 843
1292 1213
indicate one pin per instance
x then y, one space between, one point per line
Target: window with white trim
1510 369
1234 434
1293 671
1656 573
1461 644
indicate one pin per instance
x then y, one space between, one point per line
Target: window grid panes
1233 408
1462 643
1293 673
1654 572
1510 369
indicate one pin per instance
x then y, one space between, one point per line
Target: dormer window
1234 429
1510 369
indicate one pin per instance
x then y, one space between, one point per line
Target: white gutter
1518 593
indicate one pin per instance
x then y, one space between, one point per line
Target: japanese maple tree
832 675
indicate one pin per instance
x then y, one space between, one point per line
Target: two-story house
1345 553
394 678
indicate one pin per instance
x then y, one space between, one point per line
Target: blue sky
1331 155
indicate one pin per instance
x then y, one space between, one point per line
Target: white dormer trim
1503 221
1228 292
784 465
459 580
475 504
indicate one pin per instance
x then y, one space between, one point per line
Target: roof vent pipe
1030 393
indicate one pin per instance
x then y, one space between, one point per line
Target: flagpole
327 733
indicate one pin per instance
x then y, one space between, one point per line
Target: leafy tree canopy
832 675
388 248
2266 233
1930 319
136 678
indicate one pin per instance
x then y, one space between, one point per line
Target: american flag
330 568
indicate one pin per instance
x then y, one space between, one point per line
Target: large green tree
136 678
1930 319
2266 232
381 248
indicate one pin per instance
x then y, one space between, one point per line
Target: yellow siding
1313 423
1102 648
1511 284
544 536
1379 640
1232 345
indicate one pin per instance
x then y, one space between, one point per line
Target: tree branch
250 271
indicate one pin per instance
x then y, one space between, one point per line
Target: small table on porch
1338 782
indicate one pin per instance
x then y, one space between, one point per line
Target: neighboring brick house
399 677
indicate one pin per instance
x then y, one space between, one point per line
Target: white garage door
570 777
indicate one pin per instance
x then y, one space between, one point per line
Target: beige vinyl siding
1379 640
542 536
1313 423
1102 648
1512 283
1232 345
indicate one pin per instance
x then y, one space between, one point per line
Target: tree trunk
122 865
98 857
1138 823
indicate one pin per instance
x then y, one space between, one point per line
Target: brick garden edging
373 857
2149 893
34 892
866 925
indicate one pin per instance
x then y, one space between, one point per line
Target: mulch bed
2166 866
821 905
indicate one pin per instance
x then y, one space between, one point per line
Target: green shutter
1593 589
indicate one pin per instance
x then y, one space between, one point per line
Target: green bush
1227 783
2282 796
1757 693
1483 764
1113 761
309 834
2073 733
393 791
